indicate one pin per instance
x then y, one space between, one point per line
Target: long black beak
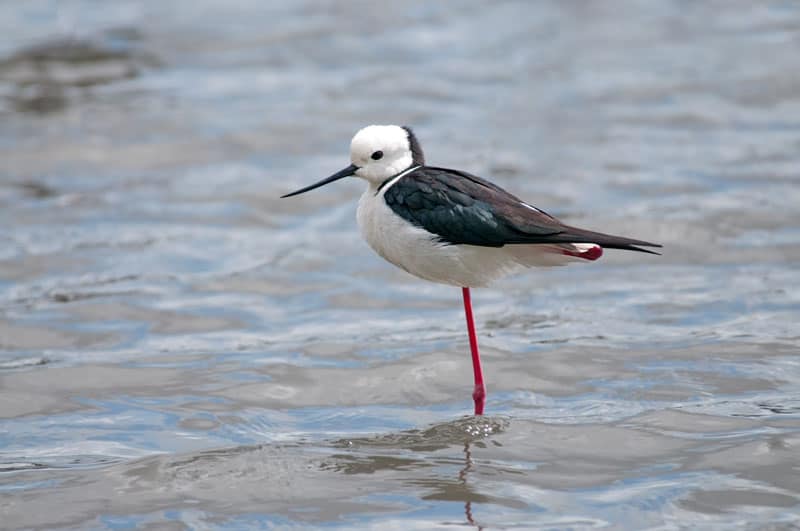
347 172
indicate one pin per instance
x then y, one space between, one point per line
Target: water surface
179 348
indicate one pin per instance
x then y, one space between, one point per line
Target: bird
452 227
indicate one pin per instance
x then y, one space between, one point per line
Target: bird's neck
386 183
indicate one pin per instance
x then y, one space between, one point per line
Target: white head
381 151
377 153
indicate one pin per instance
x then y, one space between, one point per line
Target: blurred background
181 349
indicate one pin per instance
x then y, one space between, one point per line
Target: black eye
378 155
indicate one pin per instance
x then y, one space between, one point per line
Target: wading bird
452 227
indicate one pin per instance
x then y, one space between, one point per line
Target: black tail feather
630 247
608 241
576 235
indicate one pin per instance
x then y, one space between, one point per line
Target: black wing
461 208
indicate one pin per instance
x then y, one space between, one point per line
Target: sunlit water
182 348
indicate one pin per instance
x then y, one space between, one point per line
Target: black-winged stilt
453 227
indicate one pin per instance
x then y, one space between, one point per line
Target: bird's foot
479 397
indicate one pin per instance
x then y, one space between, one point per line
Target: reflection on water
462 479
179 347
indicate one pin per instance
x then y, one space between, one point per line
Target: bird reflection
422 459
462 478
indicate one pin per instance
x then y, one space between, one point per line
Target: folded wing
461 208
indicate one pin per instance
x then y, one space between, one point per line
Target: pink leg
479 394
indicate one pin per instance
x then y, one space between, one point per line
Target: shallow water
181 349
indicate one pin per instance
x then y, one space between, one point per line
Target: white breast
392 237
